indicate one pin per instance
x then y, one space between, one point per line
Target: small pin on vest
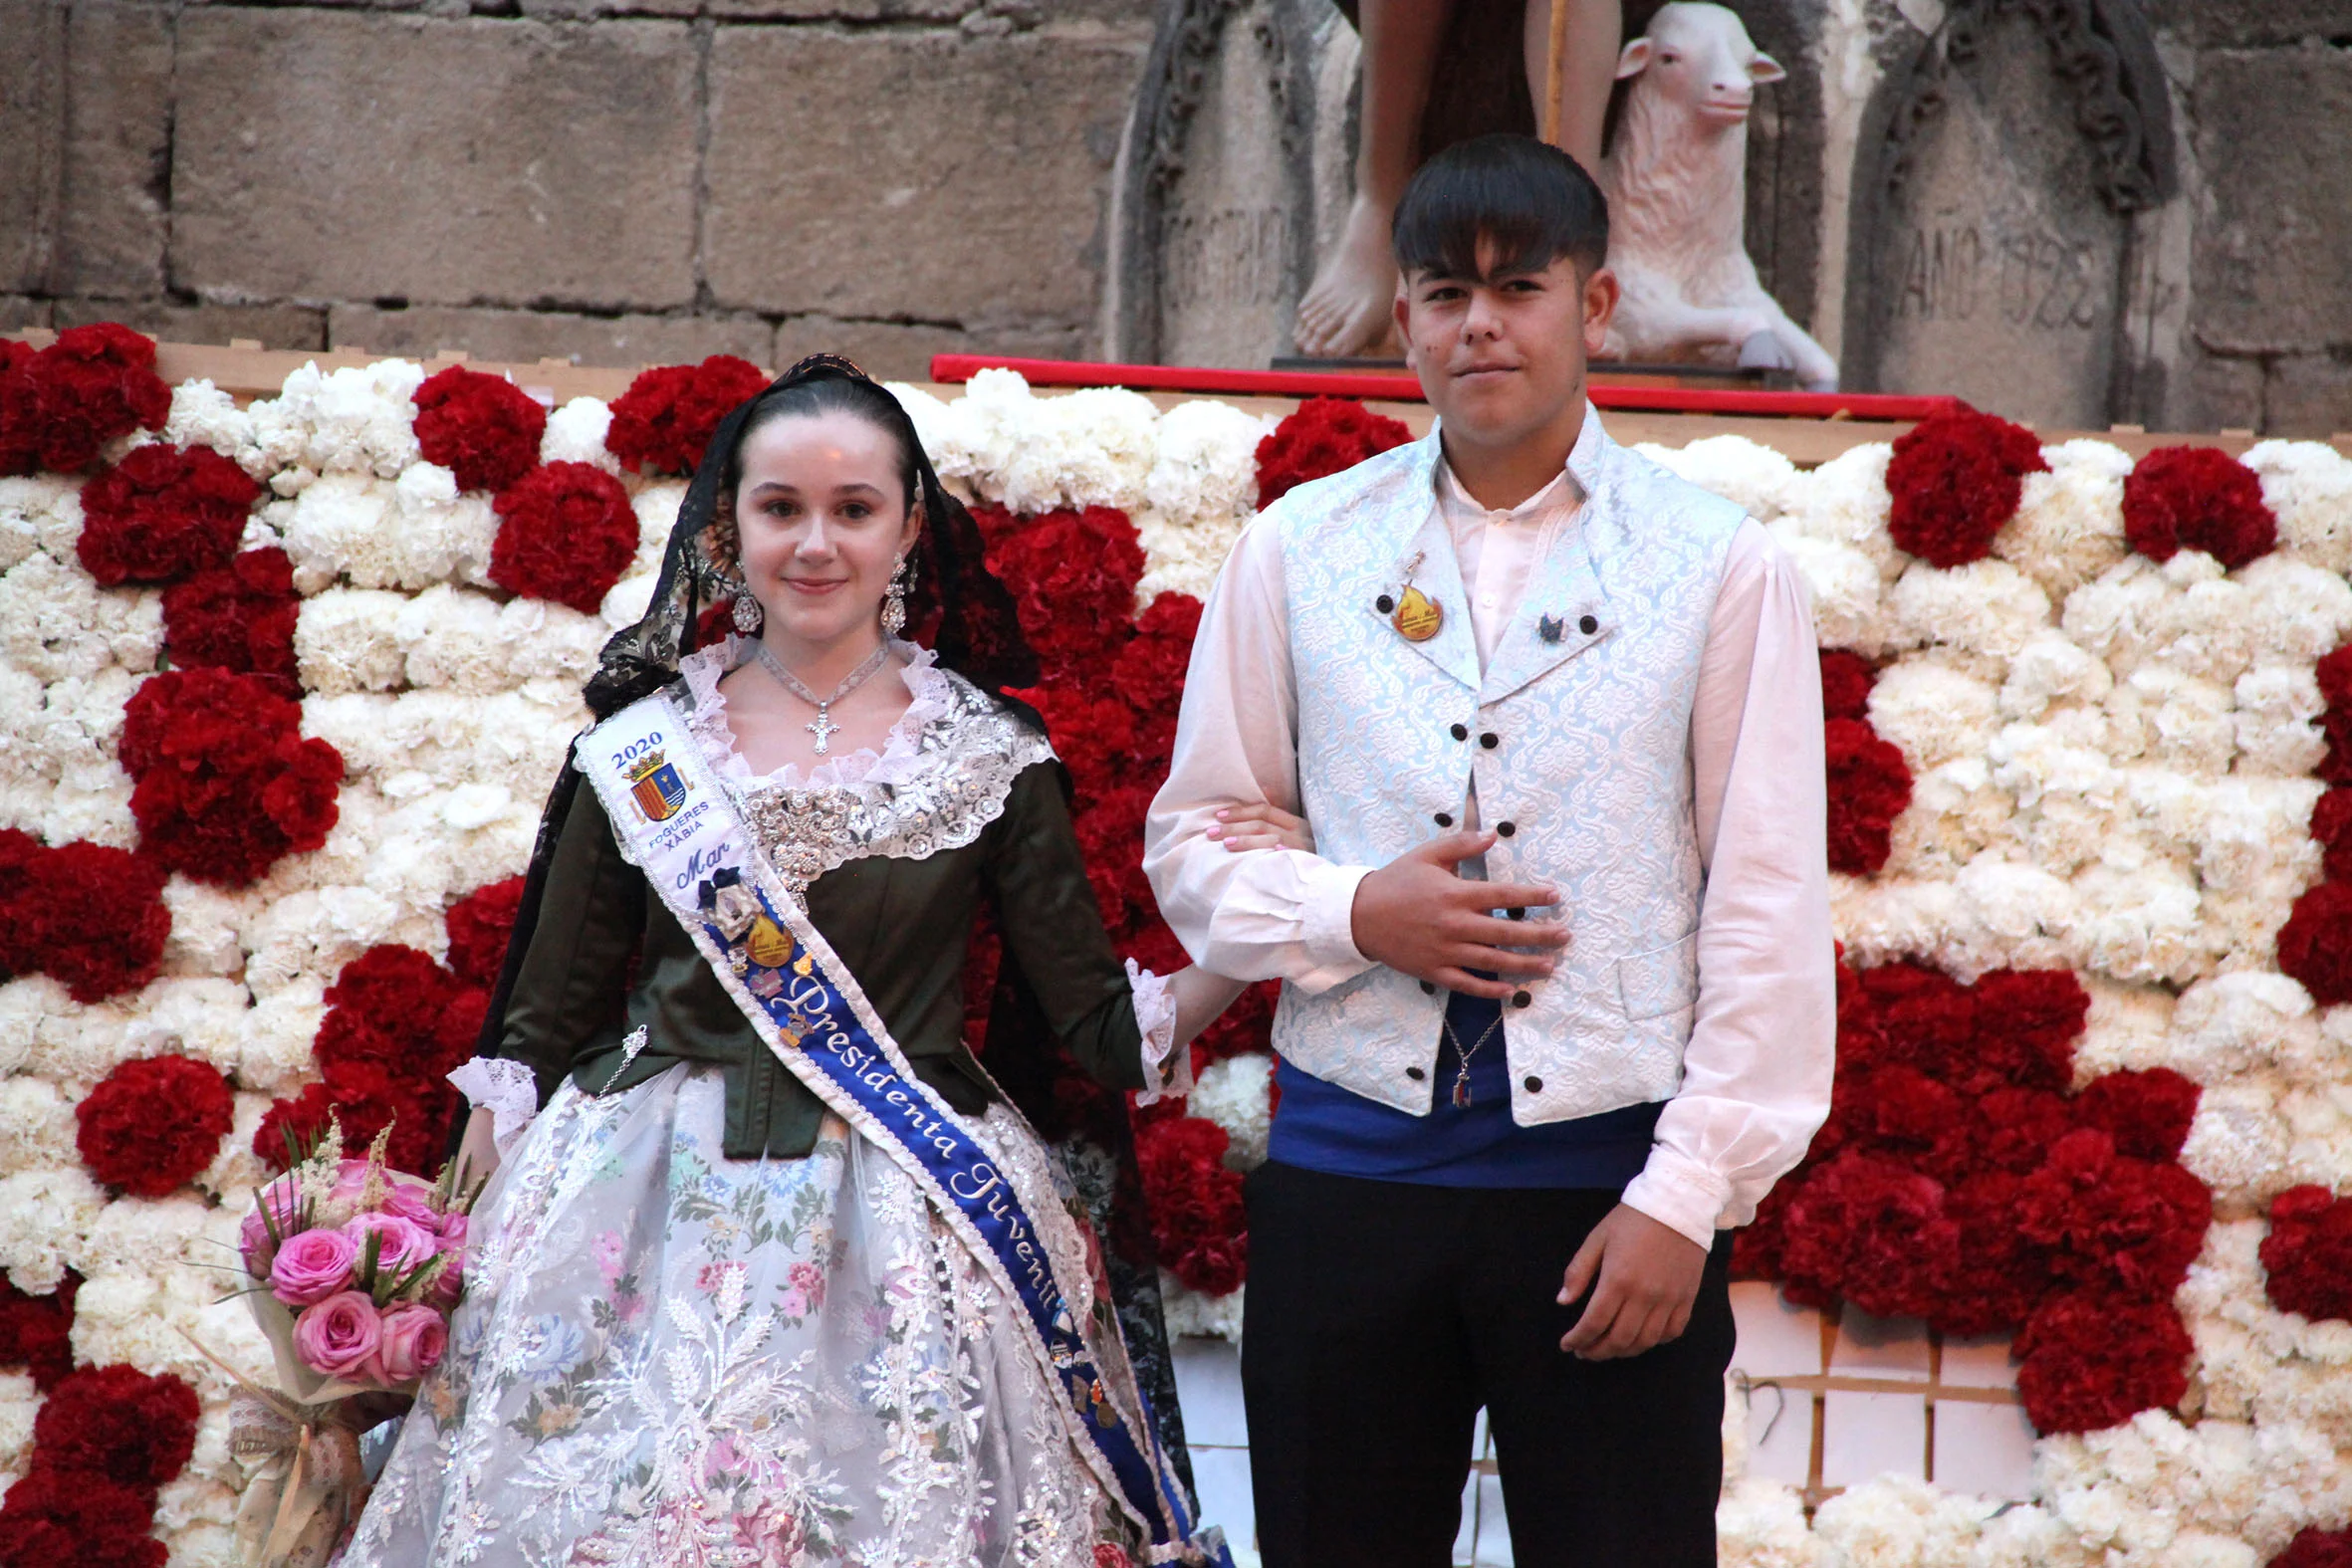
1416 617
1549 627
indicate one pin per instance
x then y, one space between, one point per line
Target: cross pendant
822 728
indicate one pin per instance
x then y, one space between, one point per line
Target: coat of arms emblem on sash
655 786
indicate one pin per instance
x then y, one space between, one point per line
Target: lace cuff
1155 1015
507 1089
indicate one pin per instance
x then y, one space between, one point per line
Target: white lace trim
1155 1015
931 689
507 1089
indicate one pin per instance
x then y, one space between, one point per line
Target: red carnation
2146 1113
2315 944
1073 575
2314 1547
2089 1361
36 1332
2335 684
1898 1110
1873 1232
2002 1272
483 428
60 405
2308 1253
668 415
1846 679
163 512
1093 736
299 1120
1196 1219
397 1022
117 1422
1149 671
152 1126
2196 498
1924 1015
225 782
1869 785
238 617
2121 1224
479 925
1321 437
2013 1130
90 917
2028 1022
1110 837
1954 480
2330 817
565 533
78 1519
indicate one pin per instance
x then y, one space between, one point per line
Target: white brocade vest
1578 737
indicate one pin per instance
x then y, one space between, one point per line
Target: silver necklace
824 728
1461 1078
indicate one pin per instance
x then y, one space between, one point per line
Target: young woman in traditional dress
777 1276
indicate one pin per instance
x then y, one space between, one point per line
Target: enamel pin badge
1549 627
1416 617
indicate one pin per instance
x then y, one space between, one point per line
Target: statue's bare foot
1346 308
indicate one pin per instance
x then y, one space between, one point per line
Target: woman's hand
478 1153
1260 825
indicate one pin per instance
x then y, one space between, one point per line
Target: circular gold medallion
1418 616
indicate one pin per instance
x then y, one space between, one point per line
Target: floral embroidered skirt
668 1357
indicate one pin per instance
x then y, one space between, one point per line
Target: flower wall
283 688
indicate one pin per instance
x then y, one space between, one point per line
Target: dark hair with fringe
1528 199
828 394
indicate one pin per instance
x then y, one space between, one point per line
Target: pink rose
453 1231
410 1344
253 1234
414 1205
338 1335
312 1265
400 1245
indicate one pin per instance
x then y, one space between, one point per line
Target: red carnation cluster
2089 1361
1956 1181
107 1441
2314 1547
668 414
150 1126
238 617
1869 785
2196 498
1846 679
2315 944
2308 1253
483 428
163 512
90 917
1073 577
225 782
479 925
1955 479
396 1024
36 1332
565 533
1197 1221
1321 437
59 405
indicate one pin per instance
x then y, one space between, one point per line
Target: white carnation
2010 916
39 512
45 1214
445 534
1205 461
1753 477
50 620
1845 501
1189 1312
2319 1130
2139 923
348 641
1979 617
202 1017
2069 522
934 422
2237 1145
204 415
2047 667
576 434
20 1402
2278 706
1955 813
1234 1093
1182 556
1898 1521
2206 627
1880 921
2184 722
2119 616
205 923
2126 1031
2308 485
629 601
356 420
1089 448
2300 610
656 507
1932 711
37 1125
1845 588
1761 1524
236 1170
2027 1536
2235 1024
78 1045
276 1055
2070 799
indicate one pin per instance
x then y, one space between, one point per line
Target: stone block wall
618 181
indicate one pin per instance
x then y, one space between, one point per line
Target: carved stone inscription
1226 291
1995 266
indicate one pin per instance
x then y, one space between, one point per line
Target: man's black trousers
1382 1315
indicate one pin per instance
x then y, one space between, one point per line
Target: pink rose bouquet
354 1268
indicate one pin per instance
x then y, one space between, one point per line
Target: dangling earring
902 579
748 618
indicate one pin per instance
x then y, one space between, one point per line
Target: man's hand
1416 915
1648 1277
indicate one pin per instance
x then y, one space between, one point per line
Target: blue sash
678 825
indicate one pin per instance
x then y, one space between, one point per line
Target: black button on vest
1429 988
1517 914
1415 1073
1490 740
1588 626
1522 998
1533 1083
1506 830
1462 732
1445 820
1384 604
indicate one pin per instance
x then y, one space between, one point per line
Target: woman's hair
828 394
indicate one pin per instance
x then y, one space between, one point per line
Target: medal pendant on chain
1462 1090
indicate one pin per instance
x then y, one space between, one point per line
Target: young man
1560 1000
